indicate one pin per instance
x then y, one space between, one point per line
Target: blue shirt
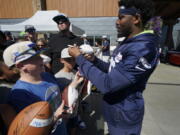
24 93
106 52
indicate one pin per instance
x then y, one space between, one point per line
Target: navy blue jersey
124 79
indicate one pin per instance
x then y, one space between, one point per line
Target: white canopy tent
42 21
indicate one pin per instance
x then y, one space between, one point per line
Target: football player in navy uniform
123 81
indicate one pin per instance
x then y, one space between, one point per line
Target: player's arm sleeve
126 73
105 82
103 66
19 99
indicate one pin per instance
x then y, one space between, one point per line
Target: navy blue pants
136 130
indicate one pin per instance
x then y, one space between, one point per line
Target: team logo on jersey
118 57
112 64
115 60
143 64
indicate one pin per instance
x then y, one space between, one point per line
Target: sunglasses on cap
62 22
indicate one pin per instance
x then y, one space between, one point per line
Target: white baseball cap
84 35
65 53
46 59
104 36
18 52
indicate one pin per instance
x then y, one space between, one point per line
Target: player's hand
89 57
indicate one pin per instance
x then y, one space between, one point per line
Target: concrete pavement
162 102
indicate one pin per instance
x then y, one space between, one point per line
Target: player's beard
124 30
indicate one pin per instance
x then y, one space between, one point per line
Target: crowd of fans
66 75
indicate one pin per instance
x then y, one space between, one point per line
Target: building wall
84 8
73 8
16 8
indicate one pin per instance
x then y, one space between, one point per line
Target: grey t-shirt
65 78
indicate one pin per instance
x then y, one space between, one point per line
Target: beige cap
18 52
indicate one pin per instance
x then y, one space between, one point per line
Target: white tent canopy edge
42 21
